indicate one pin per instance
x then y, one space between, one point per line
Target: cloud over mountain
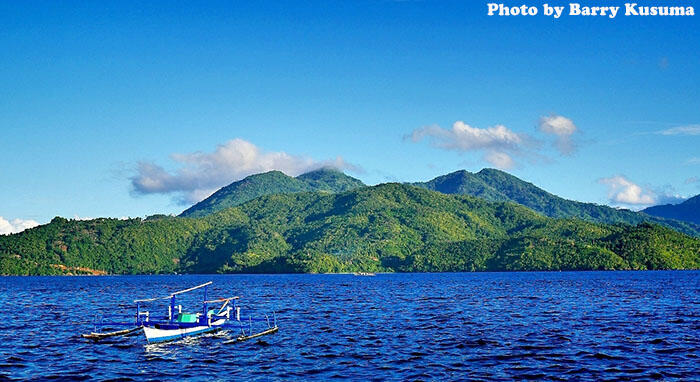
15 225
624 192
200 174
497 142
500 145
563 129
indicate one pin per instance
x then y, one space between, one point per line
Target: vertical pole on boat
138 312
172 308
204 307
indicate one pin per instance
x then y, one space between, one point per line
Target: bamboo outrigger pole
173 294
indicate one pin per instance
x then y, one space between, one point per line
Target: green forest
385 228
272 182
495 185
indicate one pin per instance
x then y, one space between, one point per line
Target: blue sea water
456 326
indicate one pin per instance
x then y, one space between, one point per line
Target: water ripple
475 326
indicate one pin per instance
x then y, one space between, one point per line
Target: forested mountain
273 182
688 211
495 185
488 184
390 227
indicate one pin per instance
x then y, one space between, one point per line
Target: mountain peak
457 174
688 211
321 171
493 172
496 185
489 170
330 179
461 182
273 182
276 173
694 201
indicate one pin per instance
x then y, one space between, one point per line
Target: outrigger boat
178 325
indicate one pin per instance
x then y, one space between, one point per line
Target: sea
433 326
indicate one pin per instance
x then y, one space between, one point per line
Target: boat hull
154 334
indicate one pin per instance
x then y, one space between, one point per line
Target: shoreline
373 273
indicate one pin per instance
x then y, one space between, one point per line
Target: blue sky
129 109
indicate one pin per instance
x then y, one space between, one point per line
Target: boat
363 274
177 324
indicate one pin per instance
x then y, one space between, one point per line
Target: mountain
330 180
488 184
466 183
384 228
495 185
273 182
688 211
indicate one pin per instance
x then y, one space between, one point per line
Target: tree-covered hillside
496 185
110 245
390 227
273 182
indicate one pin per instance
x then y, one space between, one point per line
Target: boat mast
204 308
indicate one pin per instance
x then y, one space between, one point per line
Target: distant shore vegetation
385 228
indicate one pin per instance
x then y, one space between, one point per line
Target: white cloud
77 217
498 142
563 128
499 159
681 130
200 174
623 191
15 225
693 160
667 195
692 179
669 199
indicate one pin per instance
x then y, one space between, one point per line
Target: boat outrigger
176 324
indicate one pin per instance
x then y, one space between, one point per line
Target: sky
125 109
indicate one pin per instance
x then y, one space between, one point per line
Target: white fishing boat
178 324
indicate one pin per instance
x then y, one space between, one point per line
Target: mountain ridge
272 182
688 210
497 185
489 184
385 228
